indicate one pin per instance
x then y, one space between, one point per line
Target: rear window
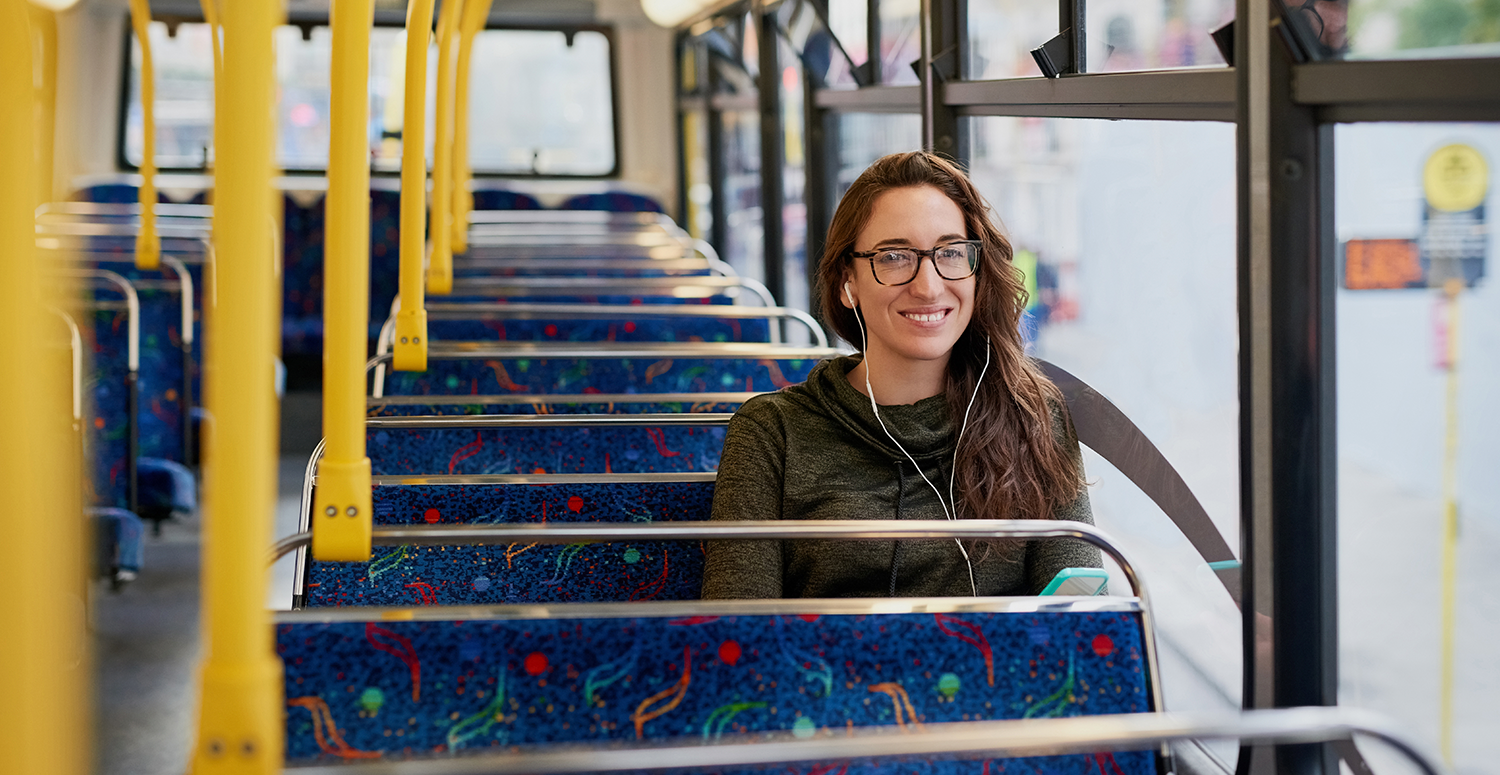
541 102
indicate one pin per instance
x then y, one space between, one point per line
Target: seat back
438 685
541 375
613 201
534 573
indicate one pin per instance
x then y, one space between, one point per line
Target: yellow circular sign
1456 178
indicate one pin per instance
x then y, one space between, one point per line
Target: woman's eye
893 257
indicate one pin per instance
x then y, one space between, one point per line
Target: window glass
793 180
847 19
184 96
900 40
865 137
1419 429
745 229
541 103
1132 35
1131 255
1002 34
1399 29
558 120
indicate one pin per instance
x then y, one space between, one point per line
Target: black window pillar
718 205
1287 442
772 151
944 36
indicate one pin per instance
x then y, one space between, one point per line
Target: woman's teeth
929 317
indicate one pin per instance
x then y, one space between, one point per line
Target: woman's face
913 325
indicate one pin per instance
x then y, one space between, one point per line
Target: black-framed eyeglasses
899 266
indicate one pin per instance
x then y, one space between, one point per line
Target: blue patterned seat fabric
408 689
108 428
508 376
532 573
623 329
620 450
613 201
503 199
378 407
302 277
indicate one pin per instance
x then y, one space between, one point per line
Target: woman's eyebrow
902 241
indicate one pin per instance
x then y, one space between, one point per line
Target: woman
941 416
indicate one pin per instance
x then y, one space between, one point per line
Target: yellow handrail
44 28
240 705
440 264
43 653
410 350
476 13
147 243
341 508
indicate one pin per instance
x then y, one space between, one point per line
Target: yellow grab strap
341 508
147 244
410 350
440 266
476 13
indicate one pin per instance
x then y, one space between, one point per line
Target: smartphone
1077 581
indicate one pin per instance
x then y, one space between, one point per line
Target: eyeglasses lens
898 267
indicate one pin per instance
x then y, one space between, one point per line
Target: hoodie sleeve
1044 558
749 486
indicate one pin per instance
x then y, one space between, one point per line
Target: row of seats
537 416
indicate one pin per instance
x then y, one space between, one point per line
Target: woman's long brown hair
1011 465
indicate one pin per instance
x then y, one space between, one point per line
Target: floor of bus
146 646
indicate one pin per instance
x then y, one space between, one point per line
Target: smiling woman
915 272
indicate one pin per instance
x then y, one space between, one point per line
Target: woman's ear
848 296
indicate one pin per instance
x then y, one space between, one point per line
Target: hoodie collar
925 428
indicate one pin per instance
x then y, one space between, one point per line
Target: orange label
1372 264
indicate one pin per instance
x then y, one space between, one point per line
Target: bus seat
302 276
504 199
483 575
556 450
440 685
414 406
514 375
623 329
167 489
613 201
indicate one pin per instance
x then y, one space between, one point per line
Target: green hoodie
816 451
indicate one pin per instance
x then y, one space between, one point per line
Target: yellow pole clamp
44 665
410 350
240 708
147 243
476 13
341 507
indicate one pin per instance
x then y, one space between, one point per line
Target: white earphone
950 509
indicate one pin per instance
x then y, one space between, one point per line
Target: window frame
123 163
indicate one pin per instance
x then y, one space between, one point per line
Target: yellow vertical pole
147 244
341 508
410 350
44 29
240 705
440 263
1452 289
475 14
43 652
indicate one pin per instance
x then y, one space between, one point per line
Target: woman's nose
928 283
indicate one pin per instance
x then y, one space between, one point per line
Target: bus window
1419 430
559 120
865 137
1129 35
1002 34
1130 257
184 97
